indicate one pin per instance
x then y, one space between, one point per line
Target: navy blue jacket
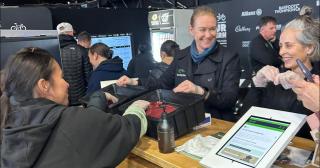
107 70
218 73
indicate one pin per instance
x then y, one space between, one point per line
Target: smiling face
291 49
57 87
204 31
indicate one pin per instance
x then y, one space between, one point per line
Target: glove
138 108
264 75
284 79
98 100
189 87
124 80
111 98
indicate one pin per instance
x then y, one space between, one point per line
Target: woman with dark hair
205 68
167 52
38 129
105 67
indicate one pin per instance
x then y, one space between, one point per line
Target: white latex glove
124 81
284 79
138 108
189 87
264 75
141 103
111 98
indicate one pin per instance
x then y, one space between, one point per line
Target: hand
189 87
111 98
267 73
308 93
124 81
141 103
284 78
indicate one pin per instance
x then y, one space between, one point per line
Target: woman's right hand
111 98
124 81
141 103
264 75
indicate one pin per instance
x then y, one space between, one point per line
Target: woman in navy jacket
104 66
205 68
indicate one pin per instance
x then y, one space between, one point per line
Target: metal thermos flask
165 135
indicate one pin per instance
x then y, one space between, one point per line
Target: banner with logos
240 19
26 18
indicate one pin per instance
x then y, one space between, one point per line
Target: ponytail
4 109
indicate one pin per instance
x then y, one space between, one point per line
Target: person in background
141 64
167 52
72 64
104 66
205 68
84 41
271 86
264 48
39 129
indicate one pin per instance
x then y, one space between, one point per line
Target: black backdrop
241 18
237 20
106 21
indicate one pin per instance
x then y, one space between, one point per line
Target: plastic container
189 111
124 94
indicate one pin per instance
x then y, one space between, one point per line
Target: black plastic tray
124 94
189 113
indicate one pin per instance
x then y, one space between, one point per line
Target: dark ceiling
106 3
152 4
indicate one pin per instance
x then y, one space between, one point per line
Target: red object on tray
155 109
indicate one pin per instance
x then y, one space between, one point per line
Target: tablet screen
253 140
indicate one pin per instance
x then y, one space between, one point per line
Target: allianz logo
240 28
257 12
288 8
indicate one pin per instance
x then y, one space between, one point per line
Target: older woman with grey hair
299 39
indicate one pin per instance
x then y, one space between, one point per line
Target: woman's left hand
189 87
308 93
284 78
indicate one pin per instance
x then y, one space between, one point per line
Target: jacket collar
215 56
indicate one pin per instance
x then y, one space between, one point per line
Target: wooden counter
146 153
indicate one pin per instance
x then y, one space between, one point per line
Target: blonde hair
202 10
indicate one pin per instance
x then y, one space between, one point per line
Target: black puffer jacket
72 66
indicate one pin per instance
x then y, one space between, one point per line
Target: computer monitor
121 44
10 45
